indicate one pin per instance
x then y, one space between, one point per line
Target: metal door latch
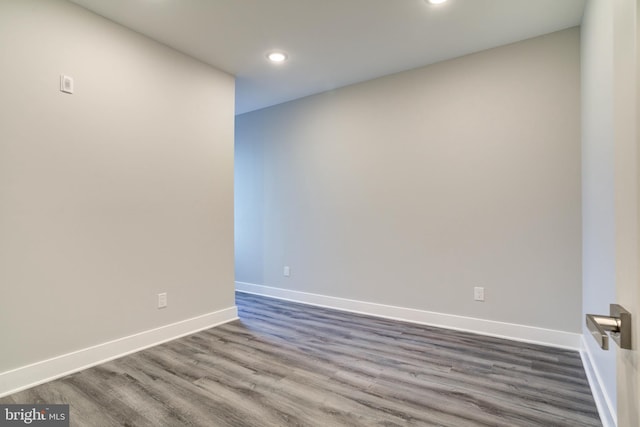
618 324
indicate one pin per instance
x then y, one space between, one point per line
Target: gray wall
113 194
598 230
411 189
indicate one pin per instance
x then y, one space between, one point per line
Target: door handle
618 324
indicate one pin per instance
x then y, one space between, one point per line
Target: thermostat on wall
66 84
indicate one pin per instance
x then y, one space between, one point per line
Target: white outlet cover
162 300
478 293
66 84
286 271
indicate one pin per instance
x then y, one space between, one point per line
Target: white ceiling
331 43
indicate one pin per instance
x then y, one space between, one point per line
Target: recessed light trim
277 56
436 1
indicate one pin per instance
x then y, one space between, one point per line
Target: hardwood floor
287 364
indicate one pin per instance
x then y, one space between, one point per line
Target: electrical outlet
286 271
66 84
478 293
162 300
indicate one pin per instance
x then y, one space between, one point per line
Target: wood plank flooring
287 364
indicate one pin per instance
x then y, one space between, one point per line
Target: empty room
319 213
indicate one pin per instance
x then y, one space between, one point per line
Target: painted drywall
113 194
249 202
411 189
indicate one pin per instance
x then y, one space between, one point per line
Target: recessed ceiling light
436 1
277 57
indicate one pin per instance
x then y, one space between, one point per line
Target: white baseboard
510 331
37 373
606 409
